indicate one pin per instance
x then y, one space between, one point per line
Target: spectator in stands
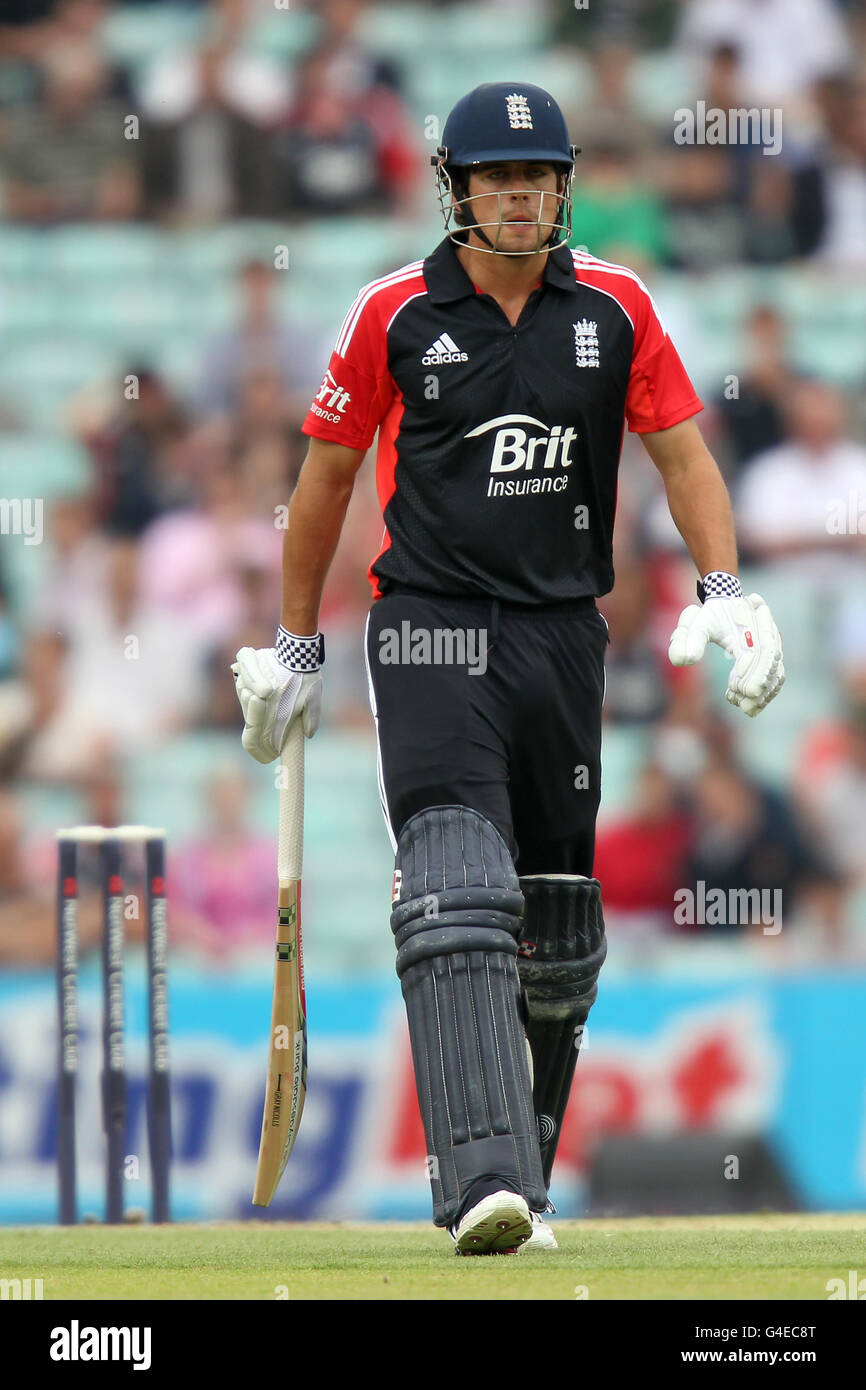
612 113
33 709
827 741
752 408
352 66
344 151
786 45
640 859
832 793
263 339
191 559
703 198
616 215
27 928
133 670
101 790
139 474
796 502
745 837
769 232
65 158
21 28
344 606
267 447
807 199
729 201
221 884
79 25
127 677
207 113
835 184
75 563
30 28
646 24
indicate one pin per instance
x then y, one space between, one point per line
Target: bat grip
290 852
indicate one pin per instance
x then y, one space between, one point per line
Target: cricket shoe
497 1225
542 1237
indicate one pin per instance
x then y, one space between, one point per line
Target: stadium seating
168 786
624 748
46 464
135 35
80 304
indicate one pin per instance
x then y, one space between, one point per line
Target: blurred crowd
170 560
219 131
223 128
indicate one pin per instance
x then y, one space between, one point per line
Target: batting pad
456 927
562 950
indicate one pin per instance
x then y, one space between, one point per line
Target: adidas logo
443 350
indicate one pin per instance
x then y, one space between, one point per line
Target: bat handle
290 851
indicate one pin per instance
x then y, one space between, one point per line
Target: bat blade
286 1087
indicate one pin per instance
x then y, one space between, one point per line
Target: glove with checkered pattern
276 685
743 626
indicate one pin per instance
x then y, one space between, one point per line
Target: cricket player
500 372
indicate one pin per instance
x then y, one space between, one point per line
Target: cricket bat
286 1088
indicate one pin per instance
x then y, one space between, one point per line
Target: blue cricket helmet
501 121
506 120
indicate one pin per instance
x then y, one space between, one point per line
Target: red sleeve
660 393
356 389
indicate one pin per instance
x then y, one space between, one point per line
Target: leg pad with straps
456 926
562 950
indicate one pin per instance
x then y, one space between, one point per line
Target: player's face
515 203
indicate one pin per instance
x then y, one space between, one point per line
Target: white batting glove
276 685
744 627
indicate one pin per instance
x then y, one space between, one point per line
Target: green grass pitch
739 1257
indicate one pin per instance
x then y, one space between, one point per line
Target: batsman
500 372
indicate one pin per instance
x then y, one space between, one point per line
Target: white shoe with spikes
497 1225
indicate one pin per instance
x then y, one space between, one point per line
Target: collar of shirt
446 279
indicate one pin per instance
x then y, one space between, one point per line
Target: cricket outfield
644 1258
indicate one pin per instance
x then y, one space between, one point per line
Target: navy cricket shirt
499 445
